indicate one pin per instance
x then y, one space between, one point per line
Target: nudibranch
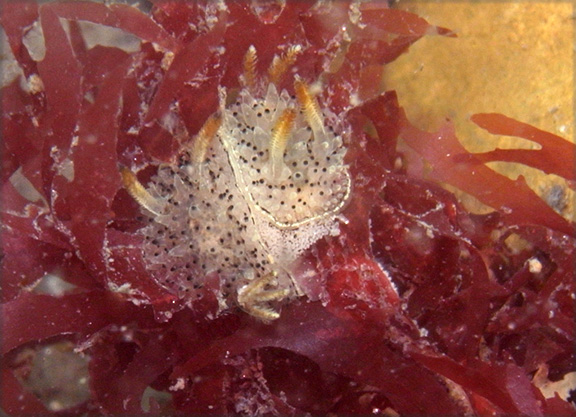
261 182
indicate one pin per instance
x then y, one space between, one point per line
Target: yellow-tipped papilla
280 64
279 139
139 193
309 106
204 137
250 60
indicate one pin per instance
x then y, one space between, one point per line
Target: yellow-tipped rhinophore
309 106
139 193
280 64
250 60
279 139
204 138
252 296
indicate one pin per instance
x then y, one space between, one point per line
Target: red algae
545 159
414 307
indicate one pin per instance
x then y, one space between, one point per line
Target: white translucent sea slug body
268 185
